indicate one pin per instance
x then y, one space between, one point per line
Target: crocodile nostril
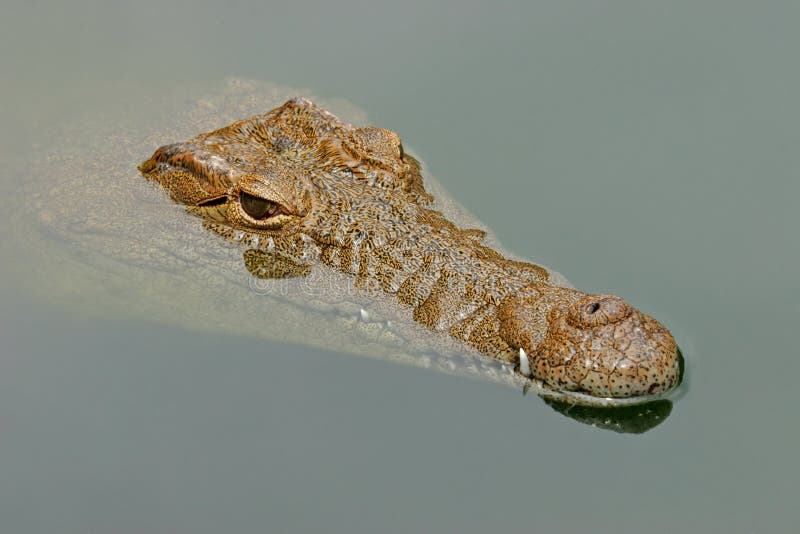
598 310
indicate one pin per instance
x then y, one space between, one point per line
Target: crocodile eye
256 207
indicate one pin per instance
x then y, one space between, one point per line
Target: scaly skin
300 186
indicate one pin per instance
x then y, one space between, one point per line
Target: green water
646 149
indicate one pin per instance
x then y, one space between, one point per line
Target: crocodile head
317 189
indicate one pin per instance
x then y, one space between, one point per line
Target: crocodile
303 190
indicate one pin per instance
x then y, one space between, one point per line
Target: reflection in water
626 419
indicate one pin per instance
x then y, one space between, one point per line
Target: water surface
642 149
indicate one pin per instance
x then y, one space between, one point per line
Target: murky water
643 149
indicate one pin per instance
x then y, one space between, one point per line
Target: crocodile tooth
524 366
364 315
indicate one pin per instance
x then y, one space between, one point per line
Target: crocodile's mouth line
585 399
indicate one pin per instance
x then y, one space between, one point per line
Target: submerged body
302 189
